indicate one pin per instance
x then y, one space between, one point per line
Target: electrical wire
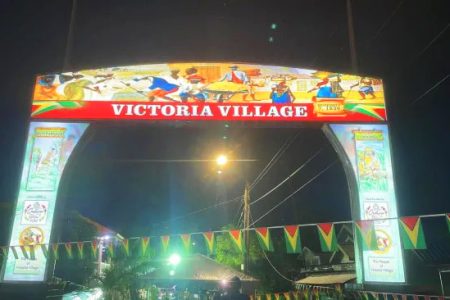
287 178
292 194
274 160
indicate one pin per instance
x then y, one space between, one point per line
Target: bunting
80 248
110 248
306 294
32 252
68 247
263 234
165 240
44 249
365 233
209 241
126 247
287 295
292 239
55 251
277 296
14 251
94 248
236 237
327 237
296 295
4 251
411 233
448 221
186 240
269 297
145 242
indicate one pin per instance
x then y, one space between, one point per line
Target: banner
94 248
209 91
209 241
411 233
69 252
292 239
48 148
80 248
366 147
186 241
238 241
145 242
165 240
264 239
327 236
365 233
125 246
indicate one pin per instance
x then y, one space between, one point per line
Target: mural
257 91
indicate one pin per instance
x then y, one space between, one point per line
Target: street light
221 160
174 259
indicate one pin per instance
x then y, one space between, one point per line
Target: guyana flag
110 249
269 297
287 295
238 240
209 241
14 251
126 246
292 239
263 234
69 252
306 294
55 251
277 296
24 251
165 240
412 233
145 242
44 249
448 221
80 248
186 240
4 251
94 248
365 233
327 237
297 295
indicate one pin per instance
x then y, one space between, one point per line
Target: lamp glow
221 160
174 259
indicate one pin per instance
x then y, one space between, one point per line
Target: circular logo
35 213
384 241
31 236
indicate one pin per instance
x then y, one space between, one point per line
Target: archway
354 120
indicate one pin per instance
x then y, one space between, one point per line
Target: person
233 291
324 89
281 94
235 76
365 88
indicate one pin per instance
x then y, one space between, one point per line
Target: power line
287 178
430 89
292 194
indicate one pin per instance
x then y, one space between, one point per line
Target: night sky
404 42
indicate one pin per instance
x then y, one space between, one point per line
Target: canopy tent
199 267
199 272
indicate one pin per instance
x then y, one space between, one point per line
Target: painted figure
324 89
281 94
365 88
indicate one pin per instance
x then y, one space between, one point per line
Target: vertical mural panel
367 148
49 146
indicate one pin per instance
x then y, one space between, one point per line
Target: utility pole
246 232
351 38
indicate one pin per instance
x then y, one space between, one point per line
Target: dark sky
404 42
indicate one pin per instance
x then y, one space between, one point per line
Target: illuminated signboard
49 146
205 91
367 148
209 91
